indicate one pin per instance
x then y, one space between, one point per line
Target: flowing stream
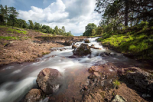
17 79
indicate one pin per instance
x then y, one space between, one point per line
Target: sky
73 14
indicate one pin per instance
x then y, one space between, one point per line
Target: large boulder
68 43
82 50
142 79
49 80
34 95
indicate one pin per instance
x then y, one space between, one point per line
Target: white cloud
73 14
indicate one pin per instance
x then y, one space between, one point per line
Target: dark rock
105 54
82 50
86 41
68 43
34 95
74 46
139 78
49 80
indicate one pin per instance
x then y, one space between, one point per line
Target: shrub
116 84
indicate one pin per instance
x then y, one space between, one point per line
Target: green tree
99 31
37 26
63 28
13 14
2 19
93 32
31 25
89 28
56 30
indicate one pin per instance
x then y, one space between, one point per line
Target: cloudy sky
73 14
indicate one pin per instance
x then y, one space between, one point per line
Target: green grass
14 30
8 38
10 30
116 84
138 42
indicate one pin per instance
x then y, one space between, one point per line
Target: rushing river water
17 79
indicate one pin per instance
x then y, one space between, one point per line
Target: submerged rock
34 95
82 50
49 80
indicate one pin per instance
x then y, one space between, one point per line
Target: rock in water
118 99
74 46
49 80
86 41
82 50
34 95
68 43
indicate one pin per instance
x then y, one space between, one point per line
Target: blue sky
73 14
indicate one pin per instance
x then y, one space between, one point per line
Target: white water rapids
17 80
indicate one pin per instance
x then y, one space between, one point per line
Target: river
17 79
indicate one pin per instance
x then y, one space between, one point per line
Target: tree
37 26
2 19
125 11
13 14
4 13
56 30
63 28
31 25
99 31
93 32
69 33
89 28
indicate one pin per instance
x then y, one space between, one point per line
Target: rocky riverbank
28 50
99 83
104 83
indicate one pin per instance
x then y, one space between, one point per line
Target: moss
44 53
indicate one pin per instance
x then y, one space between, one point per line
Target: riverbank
135 42
27 45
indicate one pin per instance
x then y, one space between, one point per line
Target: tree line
92 30
119 14
8 17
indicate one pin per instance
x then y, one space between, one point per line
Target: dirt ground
26 50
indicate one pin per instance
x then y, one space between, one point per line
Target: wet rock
68 43
119 98
34 95
96 74
139 78
146 95
49 80
86 41
82 50
74 46
105 54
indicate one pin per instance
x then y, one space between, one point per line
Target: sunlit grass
137 42
8 38
10 30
